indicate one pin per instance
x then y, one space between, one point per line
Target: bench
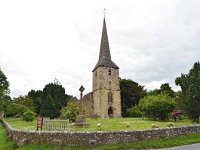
60 125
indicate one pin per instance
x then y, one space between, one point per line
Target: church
105 100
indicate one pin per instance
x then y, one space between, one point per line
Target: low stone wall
58 138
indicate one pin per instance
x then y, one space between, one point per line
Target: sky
152 41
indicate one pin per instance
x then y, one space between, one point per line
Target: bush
70 111
157 106
134 112
16 110
29 115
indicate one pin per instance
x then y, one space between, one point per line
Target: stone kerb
69 138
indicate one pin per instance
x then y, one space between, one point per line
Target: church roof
104 55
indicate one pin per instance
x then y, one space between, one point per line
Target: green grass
106 124
4 144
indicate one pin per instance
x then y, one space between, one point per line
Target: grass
4 144
106 124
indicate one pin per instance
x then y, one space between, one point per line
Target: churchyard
104 124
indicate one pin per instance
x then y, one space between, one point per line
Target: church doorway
110 112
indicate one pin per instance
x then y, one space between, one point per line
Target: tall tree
37 98
165 88
48 108
190 85
57 93
131 93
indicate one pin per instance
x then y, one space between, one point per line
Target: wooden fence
56 125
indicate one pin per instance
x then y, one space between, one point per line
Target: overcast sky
152 41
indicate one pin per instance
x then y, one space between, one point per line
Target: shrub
70 111
16 110
28 115
134 112
157 106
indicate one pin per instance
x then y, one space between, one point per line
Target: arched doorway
110 112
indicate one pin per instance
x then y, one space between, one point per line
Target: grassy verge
4 144
106 124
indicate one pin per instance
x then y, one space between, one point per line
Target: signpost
39 123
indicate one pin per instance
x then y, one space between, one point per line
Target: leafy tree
190 85
4 84
70 111
153 92
48 108
131 93
26 101
5 101
56 92
37 99
157 106
165 88
16 110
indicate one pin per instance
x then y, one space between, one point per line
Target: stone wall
92 138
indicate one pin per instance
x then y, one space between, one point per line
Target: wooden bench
60 125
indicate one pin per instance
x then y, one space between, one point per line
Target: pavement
186 147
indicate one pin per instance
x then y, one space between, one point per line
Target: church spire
104 55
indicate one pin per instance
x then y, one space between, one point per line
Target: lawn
106 124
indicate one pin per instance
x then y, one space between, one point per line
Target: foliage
28 115
25 100
157 106
131 93
70 111
164 88
36 96
4 84
53 93
16 110
134 112
190 85
4 102
48 108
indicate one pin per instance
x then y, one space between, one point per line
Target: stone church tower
106 90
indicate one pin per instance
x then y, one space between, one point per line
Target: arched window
110 97
109 72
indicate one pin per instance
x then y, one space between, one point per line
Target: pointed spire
104 55
104 48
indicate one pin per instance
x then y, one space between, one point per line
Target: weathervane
104 12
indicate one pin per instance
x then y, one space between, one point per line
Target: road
187 147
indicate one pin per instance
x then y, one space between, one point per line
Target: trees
157 106
25 100
37 98
53 93
190 85
70 111
164 88
131 93
4 84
